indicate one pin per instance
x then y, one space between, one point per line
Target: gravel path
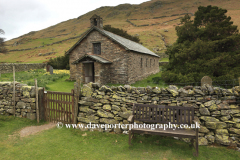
35 129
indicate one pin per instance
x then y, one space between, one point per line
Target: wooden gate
59 106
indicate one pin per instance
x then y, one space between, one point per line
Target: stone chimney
97 21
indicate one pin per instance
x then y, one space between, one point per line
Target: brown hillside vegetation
153 21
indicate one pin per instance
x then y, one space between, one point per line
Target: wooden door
89 72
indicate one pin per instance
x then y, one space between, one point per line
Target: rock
105 114
85 103
215 125
234 131
222 132
116 108
107 107
92 119
210 138
156 90
198 91
225 112
86 110
204 111
225 118
187 140
21 105
209 103
223 106
96 85
86 91
237 125
209 119
117 130
11 111
128 88
203 129
173 90
213 107
108 121
221 139
202 141
31 116
105 89
216 113
236 120
125 114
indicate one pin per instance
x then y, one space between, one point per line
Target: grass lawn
61 85
71 144
164 60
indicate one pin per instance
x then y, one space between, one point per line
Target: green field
75 144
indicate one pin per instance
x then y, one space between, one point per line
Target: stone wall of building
25 100
8 67
219 120
141 66
124 68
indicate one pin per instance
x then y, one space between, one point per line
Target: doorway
89 72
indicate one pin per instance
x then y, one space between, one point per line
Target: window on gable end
96 48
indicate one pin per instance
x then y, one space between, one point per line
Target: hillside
153 21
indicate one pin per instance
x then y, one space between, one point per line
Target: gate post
41 104
76 99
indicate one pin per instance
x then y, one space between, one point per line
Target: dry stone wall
8 67
219 120
25 100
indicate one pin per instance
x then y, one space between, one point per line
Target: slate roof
126 43
95 57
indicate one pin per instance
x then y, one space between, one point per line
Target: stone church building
103 57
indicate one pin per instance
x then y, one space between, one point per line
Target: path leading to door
35 129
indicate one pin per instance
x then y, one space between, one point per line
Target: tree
208 45
3 49
61 62
121 33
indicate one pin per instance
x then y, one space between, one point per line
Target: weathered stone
173 90
155 99
125 114
221 139
225 118
107 107
202 141
104 101
213 107
31 116
234 111
209 119
237 125
216 113
21 105
86 91
103 113
234 131
206 80
116 97
203 129
210 138
222 132
204 111
225 112
115 107
90 119
85 103
108 121
86 110
209 103
236 120
223 106
156 90
118 118
233 106
215 125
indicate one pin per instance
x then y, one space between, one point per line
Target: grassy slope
115 16
71 144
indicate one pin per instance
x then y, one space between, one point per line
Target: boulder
222 132
209 119
204 111
222 139
125 114
215 125
105 114
108 121
202 141
87 91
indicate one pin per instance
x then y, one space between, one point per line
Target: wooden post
239 80
76 96
37 110
14 98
